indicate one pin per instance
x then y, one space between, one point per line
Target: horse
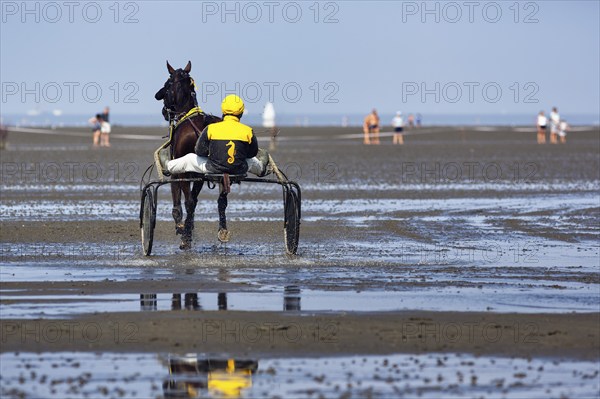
179 99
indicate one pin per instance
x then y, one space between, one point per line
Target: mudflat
461 241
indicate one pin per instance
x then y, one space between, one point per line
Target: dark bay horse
179 98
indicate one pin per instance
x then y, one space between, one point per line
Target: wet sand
490 240
276 334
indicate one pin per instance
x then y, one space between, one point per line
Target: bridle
169 97
174 116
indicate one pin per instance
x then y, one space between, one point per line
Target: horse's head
178 92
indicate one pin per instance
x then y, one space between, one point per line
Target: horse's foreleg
190 205
177 211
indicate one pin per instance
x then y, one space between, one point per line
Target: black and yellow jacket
227 145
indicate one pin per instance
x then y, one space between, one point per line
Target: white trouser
193 163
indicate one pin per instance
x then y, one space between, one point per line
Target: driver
224 147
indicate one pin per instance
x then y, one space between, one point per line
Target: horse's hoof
179 228
185 246
224 235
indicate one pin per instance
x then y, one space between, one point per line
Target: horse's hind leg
191 202
177 211
223 235
222 203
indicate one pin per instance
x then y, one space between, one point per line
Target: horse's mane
210 118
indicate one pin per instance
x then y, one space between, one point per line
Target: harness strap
196 130
189 114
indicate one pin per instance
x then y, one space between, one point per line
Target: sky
466 57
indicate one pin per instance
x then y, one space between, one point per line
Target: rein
189 116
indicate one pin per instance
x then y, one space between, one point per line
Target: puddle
572 298
212 375
18 259
52 271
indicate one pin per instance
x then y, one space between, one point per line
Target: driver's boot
263 157
164 157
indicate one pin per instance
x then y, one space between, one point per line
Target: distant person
96 123
398 125
419 119
344 121
411 121
105 115
105 128
104 134
371 128
269 123
554 125
542 121
563 128
3 135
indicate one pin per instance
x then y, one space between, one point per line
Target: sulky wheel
291 225
148 220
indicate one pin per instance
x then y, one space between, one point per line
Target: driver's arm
202 144
253 149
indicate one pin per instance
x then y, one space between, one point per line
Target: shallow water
368 248
345 211
488 296
216 375
107 188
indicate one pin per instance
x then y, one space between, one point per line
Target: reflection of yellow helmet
230 382
232 105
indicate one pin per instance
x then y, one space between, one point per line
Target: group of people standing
558 127
101 129
371 127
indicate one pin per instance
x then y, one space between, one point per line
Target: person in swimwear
371 128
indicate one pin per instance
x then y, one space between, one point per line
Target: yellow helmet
232 105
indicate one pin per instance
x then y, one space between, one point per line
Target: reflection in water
223 275
427 375
149 302
190 302
192 376
291 298
222 300
176 302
